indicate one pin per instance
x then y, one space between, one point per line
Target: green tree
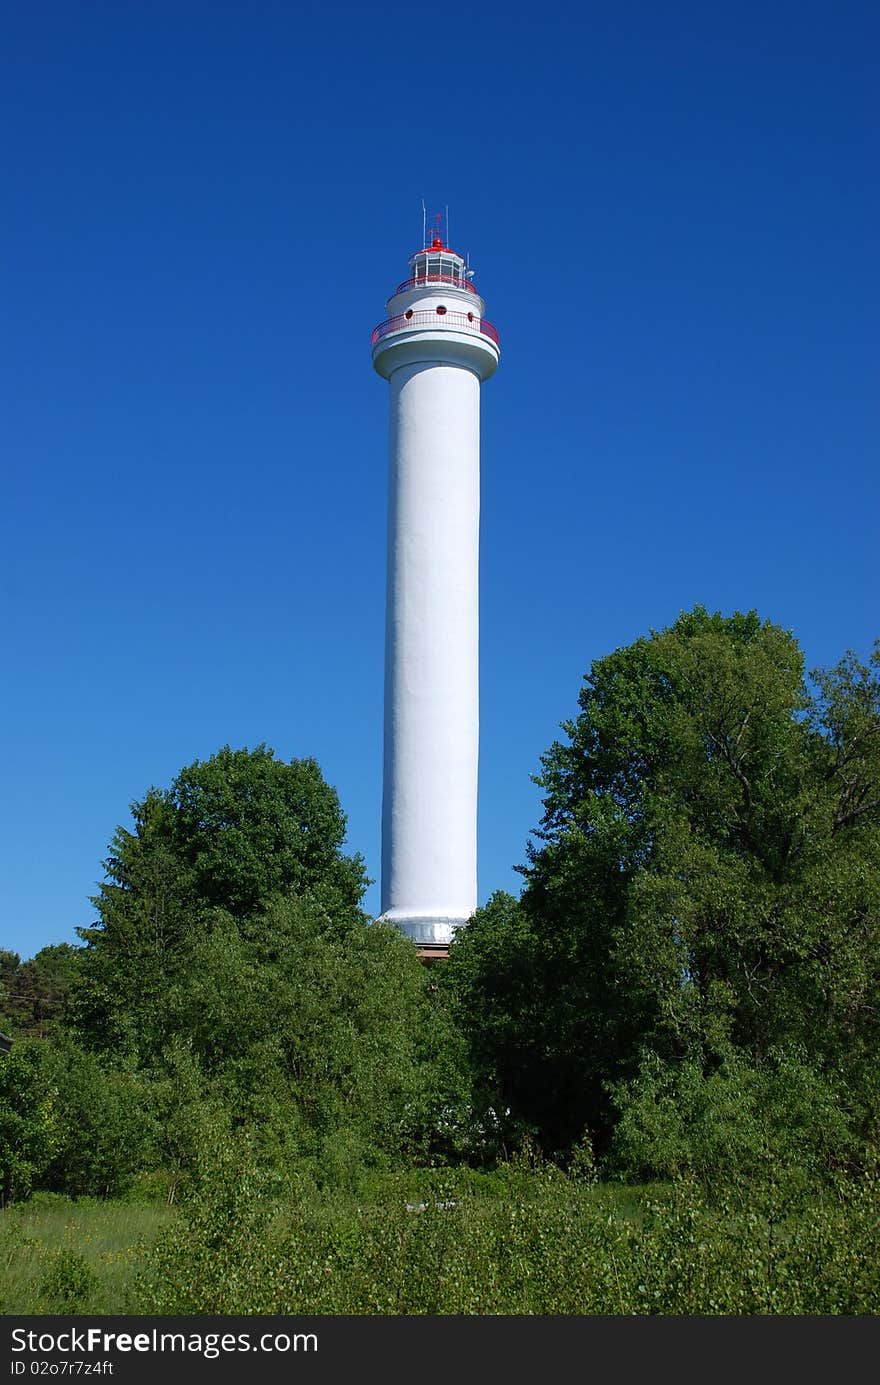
231 833
34 994
233 964
9 965
499 983
68 1123
30 1121
704 882
319 1036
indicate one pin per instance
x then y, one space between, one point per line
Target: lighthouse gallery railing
419 280
466 322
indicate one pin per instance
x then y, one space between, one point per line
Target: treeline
34 993
690 979
687 986
231 990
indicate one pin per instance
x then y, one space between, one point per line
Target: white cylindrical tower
435 349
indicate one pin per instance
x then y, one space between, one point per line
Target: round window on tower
408 312
470 317
441 310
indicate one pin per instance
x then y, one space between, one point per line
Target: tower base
427 931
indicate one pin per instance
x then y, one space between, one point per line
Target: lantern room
437 264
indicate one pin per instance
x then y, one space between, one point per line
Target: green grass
60 1255
515 1241
545 1245
63 1256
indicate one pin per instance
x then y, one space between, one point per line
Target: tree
319 1035
233 967
230 834
34 994
704 881
30 1124
9 965
68 1123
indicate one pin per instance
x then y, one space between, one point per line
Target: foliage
189 1117
108 1133
318 1035
229 834
232 986
10 963
524 1239
489 985
31 1129
67 1123
69 1285
557 1246
704 884
39 1236
34 994
777 1121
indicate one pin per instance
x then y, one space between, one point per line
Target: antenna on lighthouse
447 225
424 226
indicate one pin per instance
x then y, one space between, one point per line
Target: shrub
31 1128
551 1246
740 1120
70 1284
67 1124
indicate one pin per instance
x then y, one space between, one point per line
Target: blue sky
672 212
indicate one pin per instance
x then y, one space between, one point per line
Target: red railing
420 279
467 322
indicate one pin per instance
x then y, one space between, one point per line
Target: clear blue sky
672 211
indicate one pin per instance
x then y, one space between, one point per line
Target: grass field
530 1243
61 1256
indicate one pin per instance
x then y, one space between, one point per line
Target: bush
782 1119
31 1128
67 1124
107 1133
70 1284
555 1246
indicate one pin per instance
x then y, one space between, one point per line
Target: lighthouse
435 349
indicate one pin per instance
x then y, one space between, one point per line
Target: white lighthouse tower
435 349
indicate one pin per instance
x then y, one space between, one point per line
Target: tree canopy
34 994
230 834
233 967
688 982
703 889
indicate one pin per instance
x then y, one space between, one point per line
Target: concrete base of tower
426 930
